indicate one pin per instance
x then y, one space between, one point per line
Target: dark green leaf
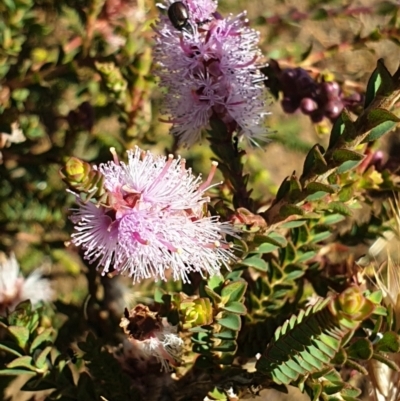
16 372
290 210
278 238
283 189
235 307
212 294
21 335
346 166
379 131
40 359
337 132
320 236
344 155
215 282
225 346
340 207
234 291
313 187
380 81
360 349
378 116
256 262
293 224
266 248
22 362
301 258
390 342
230 321
315 161
226 335
46 335
316 196
4 347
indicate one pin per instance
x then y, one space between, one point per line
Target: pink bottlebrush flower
154 221
209 69
14 288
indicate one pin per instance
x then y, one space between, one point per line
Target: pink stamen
136 236
252 61
163 171
206 184
115 156
170 247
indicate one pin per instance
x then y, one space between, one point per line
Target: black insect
178 14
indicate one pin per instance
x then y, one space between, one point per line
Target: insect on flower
209 65
178 14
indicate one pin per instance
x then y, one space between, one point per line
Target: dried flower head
154 222
209 68
14 288
153 336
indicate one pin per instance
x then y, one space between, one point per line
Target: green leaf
293 224
344 155
202 348
215 282
265 248
290 210
340 207
278 238
234 291
320 237
256 262
380 82
218 394
332 219
313 187
379 131
235 307
16 372
46 335
225 346
212 294
337 131
283 189
41 358
387 361
230 321
314 161
5 348
376 297
21 362
380 311
347 166
301 258
293 272
226 335
316 196
158 295
390 342
378 116
361 349
20 334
